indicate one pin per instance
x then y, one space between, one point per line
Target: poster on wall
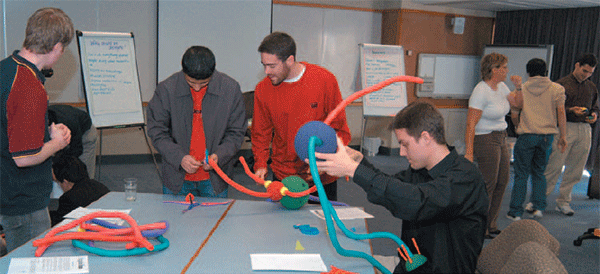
110 78
378 63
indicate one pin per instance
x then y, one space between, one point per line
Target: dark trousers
490 151
531 157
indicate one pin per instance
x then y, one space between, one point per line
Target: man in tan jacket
542 107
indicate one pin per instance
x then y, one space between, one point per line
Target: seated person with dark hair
441 197
79 190
84 136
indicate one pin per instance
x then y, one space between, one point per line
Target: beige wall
131 140
416 30
123 141
431 32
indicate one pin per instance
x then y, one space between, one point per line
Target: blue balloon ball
315 128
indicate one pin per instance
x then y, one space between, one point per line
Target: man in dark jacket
441 197
196 114
79 190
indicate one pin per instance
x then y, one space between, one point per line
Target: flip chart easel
378 63
110 82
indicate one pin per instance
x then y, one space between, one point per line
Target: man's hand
190 164
60 134
261 173
337 164
579 111
593 118
60 137
207 166
562 144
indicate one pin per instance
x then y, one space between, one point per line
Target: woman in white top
486 132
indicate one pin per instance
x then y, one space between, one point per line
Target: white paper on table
344 213
80 212
293 262
72 264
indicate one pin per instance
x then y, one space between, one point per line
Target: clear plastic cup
130 189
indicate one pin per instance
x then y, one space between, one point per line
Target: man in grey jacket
196 114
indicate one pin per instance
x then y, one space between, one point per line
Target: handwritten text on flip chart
112 77
379 66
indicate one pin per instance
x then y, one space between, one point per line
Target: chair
593 193
534 258
592 233
496 254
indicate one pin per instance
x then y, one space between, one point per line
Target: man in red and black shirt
26 141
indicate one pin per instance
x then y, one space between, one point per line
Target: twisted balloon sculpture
134 235
414 260
278 190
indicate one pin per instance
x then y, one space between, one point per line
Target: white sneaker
565 209
537 214
513 218
529 208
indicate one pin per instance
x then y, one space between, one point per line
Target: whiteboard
448 75
519 55
110 78
378 63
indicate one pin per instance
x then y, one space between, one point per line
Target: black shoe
495 231
489 236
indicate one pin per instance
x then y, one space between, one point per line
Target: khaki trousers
579 138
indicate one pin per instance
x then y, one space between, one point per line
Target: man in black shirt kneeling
441 198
